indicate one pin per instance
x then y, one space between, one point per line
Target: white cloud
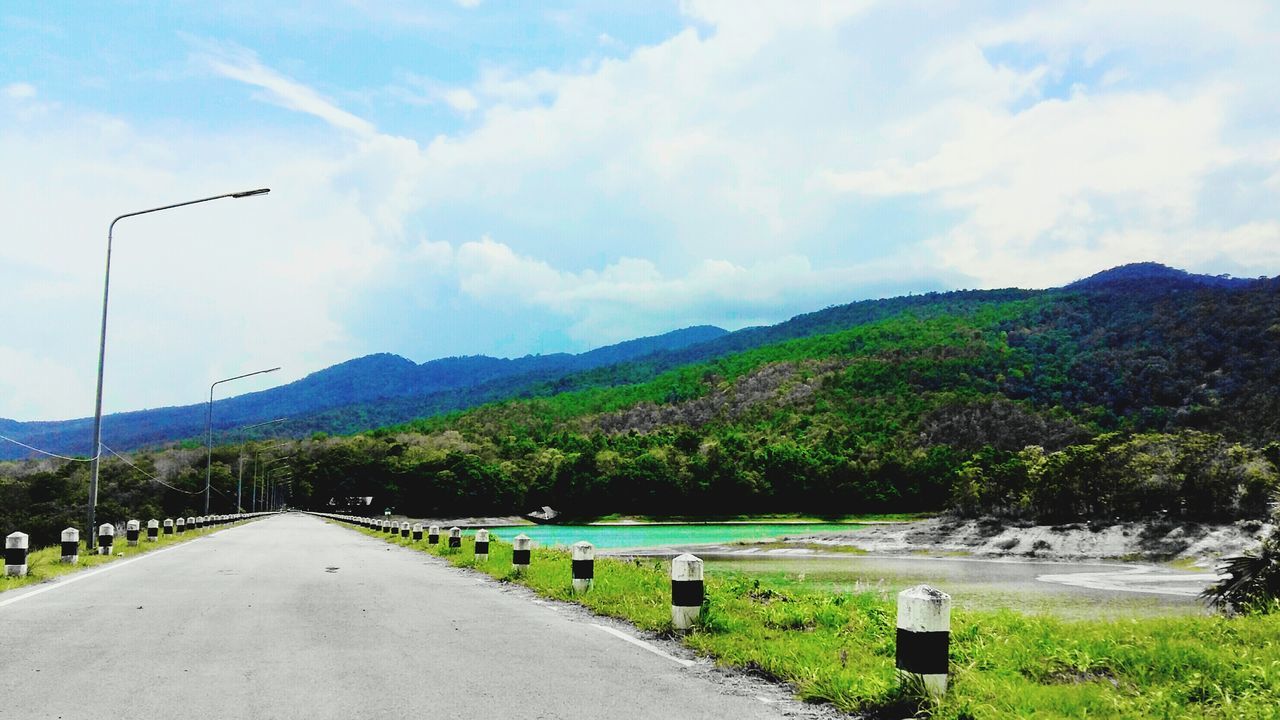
769 158
243 65
19 91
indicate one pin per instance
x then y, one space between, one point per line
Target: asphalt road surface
291 617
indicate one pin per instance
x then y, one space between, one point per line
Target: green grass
839 647
46 563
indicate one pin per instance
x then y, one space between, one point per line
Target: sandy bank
1199 543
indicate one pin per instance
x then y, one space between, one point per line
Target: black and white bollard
482 546
131 531
15 554
520 553
106 538
455 537
686 591
584 566
191 523
433 535
182 526
168 526
417 532
71 546
924 636
153 530
404 531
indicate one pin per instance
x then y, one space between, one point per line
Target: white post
153 530
482 546
106 538
181 525
584 566
924 636
71 546
455 537
520 553
131 531
168 526
433 535
417 532
404 530
687 591
191 523
15 554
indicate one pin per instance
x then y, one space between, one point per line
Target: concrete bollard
71 546
168 526
153 530
584 566
520 553
131 531
191 523
687 591
417 532
15 554
404 531
482 546
924 636
106 538
455 537
433 535
181 525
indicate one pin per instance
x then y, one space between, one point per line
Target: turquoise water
634 536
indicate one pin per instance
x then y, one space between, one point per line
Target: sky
506 178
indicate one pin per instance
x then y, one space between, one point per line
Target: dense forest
1119 397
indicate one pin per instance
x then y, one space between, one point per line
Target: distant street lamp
102 348
240 481
208 429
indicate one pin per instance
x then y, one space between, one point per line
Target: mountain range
385 389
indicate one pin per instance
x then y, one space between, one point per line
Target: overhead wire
46 452
144 472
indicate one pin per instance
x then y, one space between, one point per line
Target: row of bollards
16 545
924 614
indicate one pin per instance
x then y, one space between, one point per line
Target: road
291 617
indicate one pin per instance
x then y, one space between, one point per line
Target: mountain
1155 274
1143 393
375 380
384 389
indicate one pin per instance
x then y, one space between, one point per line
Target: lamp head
250 193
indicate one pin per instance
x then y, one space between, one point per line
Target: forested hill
1120 396
381 379
1105 400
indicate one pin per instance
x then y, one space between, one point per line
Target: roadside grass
839 647
46 563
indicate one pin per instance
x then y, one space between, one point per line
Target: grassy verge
839 648
46 563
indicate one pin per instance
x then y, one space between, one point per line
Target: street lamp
208 429
102 346
240 482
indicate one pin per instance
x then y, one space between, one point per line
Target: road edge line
647 646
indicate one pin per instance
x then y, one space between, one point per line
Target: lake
651 536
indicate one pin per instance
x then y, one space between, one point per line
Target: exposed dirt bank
1155 541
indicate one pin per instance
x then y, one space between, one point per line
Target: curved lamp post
102 345
208 429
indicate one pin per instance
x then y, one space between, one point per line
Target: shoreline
1187 544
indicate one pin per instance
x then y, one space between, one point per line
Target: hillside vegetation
1117 397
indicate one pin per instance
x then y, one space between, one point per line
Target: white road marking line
641 643
77 577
